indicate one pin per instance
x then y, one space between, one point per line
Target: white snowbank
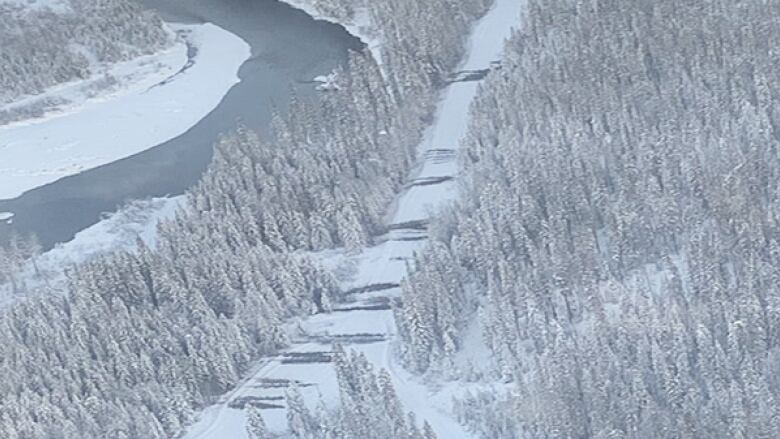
117 231
452 117
6 216
154 104
54 5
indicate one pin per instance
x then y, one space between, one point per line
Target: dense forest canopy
617 238
144 338
616 243
43 46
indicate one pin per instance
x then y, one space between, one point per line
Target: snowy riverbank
116 232
156 98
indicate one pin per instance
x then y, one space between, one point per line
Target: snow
54 5
119 231
383 265
391 256
70 97
473 352
159 97
116 232
327 82
359 25
6 217
452 117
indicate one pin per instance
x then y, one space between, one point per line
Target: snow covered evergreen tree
618 228
369 407
142 338
44 47
256 428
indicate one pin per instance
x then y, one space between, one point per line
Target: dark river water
289 48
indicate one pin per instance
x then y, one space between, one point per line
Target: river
289 48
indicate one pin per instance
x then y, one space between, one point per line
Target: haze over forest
454 219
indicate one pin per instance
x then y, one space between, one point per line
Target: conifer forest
499 219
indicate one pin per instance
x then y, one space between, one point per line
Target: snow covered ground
109 81
118 231
54 5
366 323
156 98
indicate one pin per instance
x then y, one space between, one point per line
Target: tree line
143 338
44 47
369 409
617 237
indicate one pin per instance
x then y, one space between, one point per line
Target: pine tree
298 417
255 426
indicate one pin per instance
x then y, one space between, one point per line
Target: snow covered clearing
118 231
156 98
371 280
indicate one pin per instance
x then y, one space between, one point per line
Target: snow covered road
366 323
